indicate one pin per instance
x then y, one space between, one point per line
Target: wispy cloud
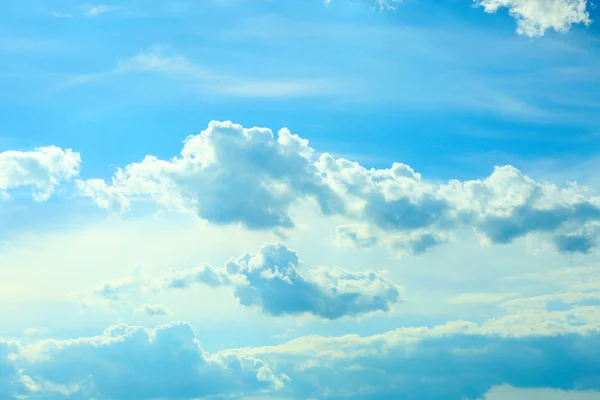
99 9
207 80
57 14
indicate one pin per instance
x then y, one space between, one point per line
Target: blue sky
264 199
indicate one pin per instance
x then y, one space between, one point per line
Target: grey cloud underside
270 281
454 361
228 174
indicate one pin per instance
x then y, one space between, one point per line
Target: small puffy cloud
132 363
270 281
153 310
106 197
42 169
535 17
100 9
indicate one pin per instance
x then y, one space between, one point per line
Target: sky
300 199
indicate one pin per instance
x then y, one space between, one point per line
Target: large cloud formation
535 17
130 363
229 174
452 361
41 169
270 281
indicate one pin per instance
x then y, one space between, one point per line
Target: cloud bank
229 174
456 360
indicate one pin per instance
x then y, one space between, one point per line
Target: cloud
270 281
456 360
57 14
212 81
42 169
129 362
229 174
100 9
153 310
535 17
106 197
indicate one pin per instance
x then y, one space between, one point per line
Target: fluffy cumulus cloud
128 362
42 170
233 175
535 17
226 174
270 281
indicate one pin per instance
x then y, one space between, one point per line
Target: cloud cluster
455 360
229 174
270 281
535 17
130 363
42 169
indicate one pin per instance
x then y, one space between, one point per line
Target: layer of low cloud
42 170
229 174
535 17
455 360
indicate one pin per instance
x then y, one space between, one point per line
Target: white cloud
99 10
57 14
107 197
229 174
454 361
43 169
535 17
